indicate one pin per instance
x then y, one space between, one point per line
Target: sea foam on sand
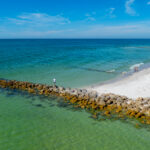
134 86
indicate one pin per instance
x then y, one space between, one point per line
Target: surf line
105 104
97 70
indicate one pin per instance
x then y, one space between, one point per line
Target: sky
74 19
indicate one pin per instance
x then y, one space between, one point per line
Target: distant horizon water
74 38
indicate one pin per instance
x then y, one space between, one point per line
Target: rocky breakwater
108 104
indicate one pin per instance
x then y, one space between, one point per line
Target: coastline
108 104
133 86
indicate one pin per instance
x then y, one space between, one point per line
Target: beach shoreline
133 86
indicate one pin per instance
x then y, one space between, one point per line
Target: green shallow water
34 123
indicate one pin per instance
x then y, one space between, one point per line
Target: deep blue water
74 62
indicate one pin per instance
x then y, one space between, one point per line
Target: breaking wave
136 65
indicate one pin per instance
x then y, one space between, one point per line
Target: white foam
136 65
110 71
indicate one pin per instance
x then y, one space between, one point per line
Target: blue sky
75 19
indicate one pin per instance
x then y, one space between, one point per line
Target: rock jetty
107 103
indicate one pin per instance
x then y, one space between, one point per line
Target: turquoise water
74 63
33 122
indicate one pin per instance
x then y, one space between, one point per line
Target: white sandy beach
136 85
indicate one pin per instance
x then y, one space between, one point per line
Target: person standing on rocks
54 82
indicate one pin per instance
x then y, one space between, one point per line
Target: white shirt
54 80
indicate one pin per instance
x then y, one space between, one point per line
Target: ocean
35 122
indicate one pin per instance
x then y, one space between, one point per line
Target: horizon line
74 38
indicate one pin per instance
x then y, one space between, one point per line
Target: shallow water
28 122
33 122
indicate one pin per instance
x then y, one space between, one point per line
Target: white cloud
32 25
90 17
31 33
111 12
148 3
129 9
130 30
38 19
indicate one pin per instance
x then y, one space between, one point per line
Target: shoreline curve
133 86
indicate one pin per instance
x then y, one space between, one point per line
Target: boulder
93 94
74 92
84 91
39 87
101 102
56 90
61 88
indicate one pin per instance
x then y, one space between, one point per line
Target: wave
136 65
111 71
145 47
95 70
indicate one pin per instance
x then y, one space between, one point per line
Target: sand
134 86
